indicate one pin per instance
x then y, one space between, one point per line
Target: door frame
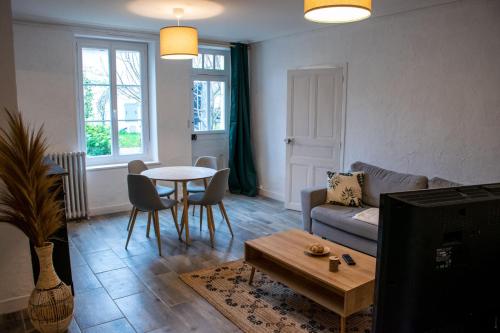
344 67
211 75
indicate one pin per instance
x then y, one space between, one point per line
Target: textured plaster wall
47 95
45 70
15 265
422 92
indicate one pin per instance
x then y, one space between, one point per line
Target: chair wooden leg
210 222
182 222
174 216
149 225
201 216
223 210
213 220
132 223
221 213
156 222
209 218
174 213
194 208
130 218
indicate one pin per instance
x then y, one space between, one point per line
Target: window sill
209 132
117 166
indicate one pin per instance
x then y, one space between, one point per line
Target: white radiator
75 184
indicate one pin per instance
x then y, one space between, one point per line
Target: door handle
289 141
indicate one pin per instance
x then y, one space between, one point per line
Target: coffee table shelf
300 285
282 257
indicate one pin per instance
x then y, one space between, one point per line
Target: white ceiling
222 20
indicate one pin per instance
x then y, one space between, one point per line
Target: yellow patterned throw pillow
345 188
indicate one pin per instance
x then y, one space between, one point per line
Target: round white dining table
181 174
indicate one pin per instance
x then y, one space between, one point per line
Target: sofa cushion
344 188
437 182
340 217
378 180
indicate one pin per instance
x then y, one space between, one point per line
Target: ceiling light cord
178 13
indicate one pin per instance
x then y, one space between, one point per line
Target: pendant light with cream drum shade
337 11
178 42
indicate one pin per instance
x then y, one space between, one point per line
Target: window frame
112 46
211 75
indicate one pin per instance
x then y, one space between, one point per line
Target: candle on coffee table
334 263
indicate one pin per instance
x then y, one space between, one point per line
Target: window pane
96 103
198 61
98 138
128 67
200 116
129 102
130 137
95 66
217 102
219 62
209 61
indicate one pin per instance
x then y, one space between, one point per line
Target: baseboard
127 206
272 195
110 209
14 304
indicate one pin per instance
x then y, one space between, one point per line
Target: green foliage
129 139
98 139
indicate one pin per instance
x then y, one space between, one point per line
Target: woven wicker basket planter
51 303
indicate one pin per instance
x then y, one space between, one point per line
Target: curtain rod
218 43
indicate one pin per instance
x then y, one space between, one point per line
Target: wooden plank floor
138 291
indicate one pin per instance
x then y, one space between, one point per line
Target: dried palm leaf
28 199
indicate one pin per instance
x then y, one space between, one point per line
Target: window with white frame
113 100
210 91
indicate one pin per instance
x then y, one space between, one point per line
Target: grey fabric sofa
336 223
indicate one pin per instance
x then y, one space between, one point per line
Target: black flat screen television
438 261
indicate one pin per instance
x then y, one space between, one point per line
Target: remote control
348 259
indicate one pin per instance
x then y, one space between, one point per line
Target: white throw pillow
369 215
345 188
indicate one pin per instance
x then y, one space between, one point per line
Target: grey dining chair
198 186
144 197
213 195
136 167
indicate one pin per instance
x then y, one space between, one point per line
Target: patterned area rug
267 305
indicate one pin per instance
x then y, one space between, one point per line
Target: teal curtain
242 178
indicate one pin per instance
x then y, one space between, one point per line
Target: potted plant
28 202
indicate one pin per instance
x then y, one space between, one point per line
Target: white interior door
315 127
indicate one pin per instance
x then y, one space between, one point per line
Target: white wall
422 92
45 68
15 265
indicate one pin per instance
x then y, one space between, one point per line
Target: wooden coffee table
282 257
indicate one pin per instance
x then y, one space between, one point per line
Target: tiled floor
138 291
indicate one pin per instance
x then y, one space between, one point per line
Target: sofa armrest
310 198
